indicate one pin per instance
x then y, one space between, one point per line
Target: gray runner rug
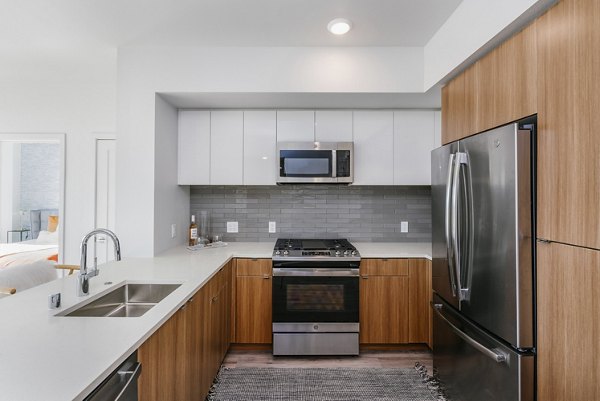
320 384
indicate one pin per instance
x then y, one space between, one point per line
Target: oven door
315 295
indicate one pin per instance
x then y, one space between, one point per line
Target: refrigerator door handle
495 354
454 224
464 260
448 232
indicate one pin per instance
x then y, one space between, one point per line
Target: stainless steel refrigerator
483 300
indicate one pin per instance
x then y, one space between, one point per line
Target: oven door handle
315 272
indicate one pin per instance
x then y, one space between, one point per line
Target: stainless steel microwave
315 162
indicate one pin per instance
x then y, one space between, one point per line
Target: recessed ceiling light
339 26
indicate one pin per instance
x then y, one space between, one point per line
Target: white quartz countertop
46 357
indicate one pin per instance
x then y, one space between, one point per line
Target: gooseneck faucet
83 278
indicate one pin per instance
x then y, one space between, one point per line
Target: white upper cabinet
260 147
295 126
333 126
414 133
373 148
227 147
193 143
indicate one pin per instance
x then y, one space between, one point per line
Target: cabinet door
260 147
295 126
158 356
373 148
419 296
414 132
193 144
333 126
226 147
254 309
569 123
383 309
568 323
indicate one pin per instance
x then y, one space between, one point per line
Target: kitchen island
47 357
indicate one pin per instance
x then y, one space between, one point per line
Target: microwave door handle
333 163
448 225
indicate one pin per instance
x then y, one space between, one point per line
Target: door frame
49 137
98 136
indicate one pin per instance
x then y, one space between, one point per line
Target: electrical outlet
272 227
173 230
404 226
232 226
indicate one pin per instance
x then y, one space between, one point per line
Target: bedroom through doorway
31 203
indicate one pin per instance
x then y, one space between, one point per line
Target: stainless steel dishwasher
121 385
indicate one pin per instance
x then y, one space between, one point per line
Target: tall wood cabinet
568 323
569 123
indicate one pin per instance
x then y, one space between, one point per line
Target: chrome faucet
83 278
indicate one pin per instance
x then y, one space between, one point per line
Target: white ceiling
64 24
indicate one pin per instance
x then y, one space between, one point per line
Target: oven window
315 297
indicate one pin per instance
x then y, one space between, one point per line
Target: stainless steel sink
127 300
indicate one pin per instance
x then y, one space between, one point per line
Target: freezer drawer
473 366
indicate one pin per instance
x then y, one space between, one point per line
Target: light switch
404 226
232 226
272 227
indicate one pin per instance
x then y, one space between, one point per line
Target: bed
43 246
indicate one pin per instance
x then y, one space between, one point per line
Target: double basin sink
126 300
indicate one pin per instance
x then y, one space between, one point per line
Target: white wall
77 105
144 71
170 199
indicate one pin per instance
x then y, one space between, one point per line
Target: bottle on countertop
193 232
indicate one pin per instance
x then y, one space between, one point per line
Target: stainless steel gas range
315 297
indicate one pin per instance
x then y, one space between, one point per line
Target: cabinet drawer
254 267
384 267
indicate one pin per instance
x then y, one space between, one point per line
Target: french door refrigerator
483 266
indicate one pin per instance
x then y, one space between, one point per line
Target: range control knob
277 252
346 252
338 253
286 252
354 253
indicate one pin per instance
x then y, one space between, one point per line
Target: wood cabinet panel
254 267
569 122
253 319
568 325
419 296
498 89
383 309
158 380
384 267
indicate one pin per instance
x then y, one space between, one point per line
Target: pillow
47 237
52 223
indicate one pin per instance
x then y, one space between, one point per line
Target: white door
105 197
295 126
374 148
260 143
333 126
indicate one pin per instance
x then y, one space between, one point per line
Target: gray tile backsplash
360 213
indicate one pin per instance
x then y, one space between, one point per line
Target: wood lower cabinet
568 323
180 360
394 301
253 301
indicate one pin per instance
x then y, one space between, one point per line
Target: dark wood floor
367 359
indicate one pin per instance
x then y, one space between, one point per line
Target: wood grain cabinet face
253 301
569 123
568 311
394 301
181 359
